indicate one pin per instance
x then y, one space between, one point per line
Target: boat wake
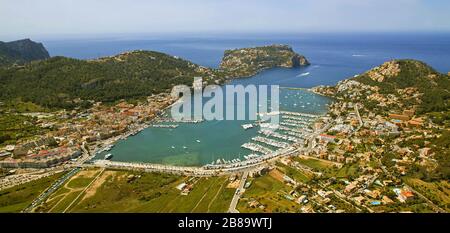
303 74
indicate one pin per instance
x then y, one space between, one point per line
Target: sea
333 57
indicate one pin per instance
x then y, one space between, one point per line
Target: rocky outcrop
299 60
249 61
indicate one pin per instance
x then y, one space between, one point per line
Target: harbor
194 142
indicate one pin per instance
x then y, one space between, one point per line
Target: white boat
197 140
108 156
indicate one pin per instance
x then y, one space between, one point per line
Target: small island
247 62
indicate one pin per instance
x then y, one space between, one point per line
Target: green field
269 192
315 164
348 170
438 192
18 198
295 173
114 191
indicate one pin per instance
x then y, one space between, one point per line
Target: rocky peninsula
247 62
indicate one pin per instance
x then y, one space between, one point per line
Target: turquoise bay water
205 142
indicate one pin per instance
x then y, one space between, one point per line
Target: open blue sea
333 57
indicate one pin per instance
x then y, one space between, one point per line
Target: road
314 135
359 117
84 190
361 123
239 191
55 186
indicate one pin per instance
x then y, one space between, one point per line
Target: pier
164 126
270 142
256 148
269 133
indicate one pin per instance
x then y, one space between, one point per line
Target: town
364 155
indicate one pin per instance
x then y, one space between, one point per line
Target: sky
28 18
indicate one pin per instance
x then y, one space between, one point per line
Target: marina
189 142
256 148
270 142
278 135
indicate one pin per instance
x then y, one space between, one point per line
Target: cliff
249 61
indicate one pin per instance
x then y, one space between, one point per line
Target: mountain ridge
60 82
22 51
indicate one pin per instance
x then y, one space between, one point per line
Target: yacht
108 156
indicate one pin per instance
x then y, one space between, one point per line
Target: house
307 209
409 113
399 117
425 152
348 160
405 195
253 203
332 157
327 138
323 193
181 186
387 182
416 122
302 199
359 200
386 200
288 179
350 187
372 194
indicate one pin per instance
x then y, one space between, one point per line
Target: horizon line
206 34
